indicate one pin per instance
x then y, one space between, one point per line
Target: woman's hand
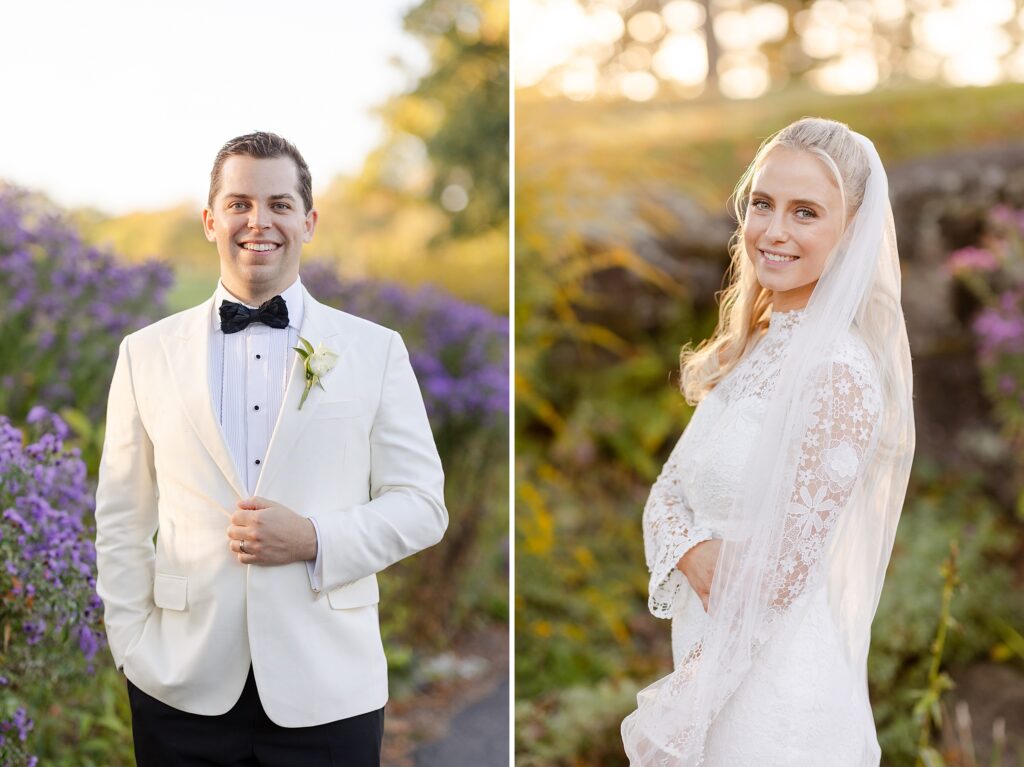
698 565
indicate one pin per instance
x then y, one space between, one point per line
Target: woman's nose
776 231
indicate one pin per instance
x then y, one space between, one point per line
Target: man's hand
698 565
272 534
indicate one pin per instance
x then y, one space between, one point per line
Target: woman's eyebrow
801 201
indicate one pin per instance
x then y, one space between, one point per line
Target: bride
769 529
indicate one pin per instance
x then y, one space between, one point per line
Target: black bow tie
235 317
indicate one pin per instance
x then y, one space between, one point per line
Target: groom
248 627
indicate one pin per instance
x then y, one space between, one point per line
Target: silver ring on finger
241 546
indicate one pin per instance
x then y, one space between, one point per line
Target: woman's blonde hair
744 305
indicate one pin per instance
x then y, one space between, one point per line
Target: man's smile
259 247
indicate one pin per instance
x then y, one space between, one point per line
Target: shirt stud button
257 461
255 407
259 356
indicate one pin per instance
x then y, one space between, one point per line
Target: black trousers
245 737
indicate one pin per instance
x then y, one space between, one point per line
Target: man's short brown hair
264 146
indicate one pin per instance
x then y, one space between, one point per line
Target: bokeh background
115 113
634 120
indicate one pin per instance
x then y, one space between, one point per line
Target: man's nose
259 218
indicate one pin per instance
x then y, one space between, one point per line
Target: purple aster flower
458 350
64 300
47 572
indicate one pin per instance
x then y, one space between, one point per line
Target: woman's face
794 219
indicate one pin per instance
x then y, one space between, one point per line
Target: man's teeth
258 246
777 258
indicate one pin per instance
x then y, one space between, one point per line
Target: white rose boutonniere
318 362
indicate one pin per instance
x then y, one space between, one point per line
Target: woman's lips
777 259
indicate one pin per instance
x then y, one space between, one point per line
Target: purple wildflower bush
66 307
458 350
50 616
993 272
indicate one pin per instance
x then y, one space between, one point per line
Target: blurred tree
468 96
431 204
713 53
639 49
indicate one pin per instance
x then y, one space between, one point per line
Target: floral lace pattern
700 473
690 502
670 530
833 449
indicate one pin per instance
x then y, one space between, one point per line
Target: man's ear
311 219
208 224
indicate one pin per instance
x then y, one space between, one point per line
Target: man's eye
236 205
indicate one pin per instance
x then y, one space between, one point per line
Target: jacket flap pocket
341 409
170 591
356 594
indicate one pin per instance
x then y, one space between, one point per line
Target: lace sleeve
669 532
836 446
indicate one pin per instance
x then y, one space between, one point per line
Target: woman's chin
780 283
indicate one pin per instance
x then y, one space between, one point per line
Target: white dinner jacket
184 619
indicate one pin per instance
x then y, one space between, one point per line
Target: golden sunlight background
638 49
634 121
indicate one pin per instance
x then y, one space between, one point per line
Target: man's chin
260 261
261 270
259 279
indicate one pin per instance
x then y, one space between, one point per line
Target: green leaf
303 352
305 393
78 421
932 758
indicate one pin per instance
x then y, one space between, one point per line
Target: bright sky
123 105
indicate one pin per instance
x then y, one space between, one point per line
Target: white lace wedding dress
800 704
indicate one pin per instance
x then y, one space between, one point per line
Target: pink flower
1000 330
971 259
1007 217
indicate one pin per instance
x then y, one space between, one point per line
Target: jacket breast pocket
344 409
356 594
170 591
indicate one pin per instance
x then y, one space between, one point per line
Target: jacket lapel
291 422
188 356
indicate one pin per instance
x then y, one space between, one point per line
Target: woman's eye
758 203
810 213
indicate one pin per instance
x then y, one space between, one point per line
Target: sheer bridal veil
823 490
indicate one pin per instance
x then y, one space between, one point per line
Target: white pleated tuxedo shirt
249 372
